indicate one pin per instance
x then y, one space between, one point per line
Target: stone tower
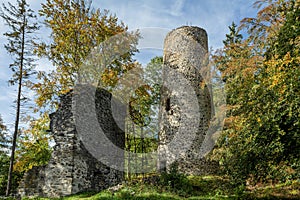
185 108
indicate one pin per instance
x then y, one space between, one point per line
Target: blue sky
212 15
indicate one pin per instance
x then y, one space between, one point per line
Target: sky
158 16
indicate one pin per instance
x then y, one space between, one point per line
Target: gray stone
72 169
185 113
185 108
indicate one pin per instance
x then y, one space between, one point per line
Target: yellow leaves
238 62
109 77
38 126
65 91
34 149
248 72
76 29
278 72
259 121
262 85
274 80
129 66
230 121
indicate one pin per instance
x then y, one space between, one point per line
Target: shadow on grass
150 197
215 187
211 186
269 197
203 187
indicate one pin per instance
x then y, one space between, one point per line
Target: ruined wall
72 168
185 49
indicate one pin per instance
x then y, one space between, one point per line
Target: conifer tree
261 135
234 37
21 22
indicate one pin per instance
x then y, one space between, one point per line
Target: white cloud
176 8
213 15
152 37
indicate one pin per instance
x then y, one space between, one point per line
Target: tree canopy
76 29
261 136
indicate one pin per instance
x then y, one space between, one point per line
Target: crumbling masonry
72 168
185 109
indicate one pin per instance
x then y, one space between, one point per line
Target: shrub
175 181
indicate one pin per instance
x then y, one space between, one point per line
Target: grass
203 187
288 190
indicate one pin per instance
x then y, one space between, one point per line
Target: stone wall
72 168
185 108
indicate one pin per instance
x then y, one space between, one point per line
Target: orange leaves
229 122
238 60
262 81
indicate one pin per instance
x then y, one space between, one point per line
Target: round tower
185 108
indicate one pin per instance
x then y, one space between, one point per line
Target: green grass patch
203 187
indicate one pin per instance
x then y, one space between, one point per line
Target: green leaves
76 30
34 149
262 83
233 37
4 138
143 105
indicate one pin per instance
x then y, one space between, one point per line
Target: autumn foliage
260 141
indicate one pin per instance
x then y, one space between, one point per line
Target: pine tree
233 37
22 24
232 45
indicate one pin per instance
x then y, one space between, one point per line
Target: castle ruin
72 169
185 113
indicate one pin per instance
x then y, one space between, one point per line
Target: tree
143 104
263 98
263 28
20 19
142 122
288 34
233 37
34 148
4 159
4 139
232 45
76 29
277 98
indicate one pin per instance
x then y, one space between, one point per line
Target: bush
176 182
4 166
